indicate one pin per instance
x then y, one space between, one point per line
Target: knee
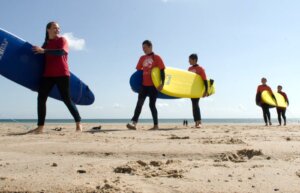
152 105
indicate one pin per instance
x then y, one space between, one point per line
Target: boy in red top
281 110
193 59
265 107
56 72
146 63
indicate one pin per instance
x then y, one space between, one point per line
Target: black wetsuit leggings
281 112
144 92
196 109
63 85
266 113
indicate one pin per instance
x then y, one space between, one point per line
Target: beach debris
141 163
108 153
288 139
298 173
81 171
155 163
258 166
123 169
177 137
58 128
97 128
249 153
54 165
152 169
3 178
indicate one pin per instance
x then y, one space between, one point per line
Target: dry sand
216 158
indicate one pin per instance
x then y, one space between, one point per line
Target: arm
62 48
204 78
139 65
55 52
162 75
161 66
287 100
258 98
206 86
273 96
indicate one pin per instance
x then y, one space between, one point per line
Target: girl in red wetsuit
281 110
195 101
56 72
265 107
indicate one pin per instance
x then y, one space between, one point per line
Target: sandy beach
219 158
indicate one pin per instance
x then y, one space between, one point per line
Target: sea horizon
161 121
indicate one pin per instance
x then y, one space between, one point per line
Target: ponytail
47 35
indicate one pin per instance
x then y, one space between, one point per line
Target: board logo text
3 48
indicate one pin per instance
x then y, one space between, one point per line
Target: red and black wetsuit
265 107
280 110
56 72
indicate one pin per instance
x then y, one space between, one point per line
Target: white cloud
74 42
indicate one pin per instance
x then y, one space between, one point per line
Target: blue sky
237 42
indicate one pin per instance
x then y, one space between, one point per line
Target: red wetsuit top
198 70
146 63
56 65
262 88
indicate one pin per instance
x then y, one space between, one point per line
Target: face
279 88
263 81
53 31
147 49
192 62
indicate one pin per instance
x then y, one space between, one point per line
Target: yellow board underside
181 83
267 98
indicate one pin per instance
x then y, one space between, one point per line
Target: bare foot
198 126
38 130
155 127
78 127
131 126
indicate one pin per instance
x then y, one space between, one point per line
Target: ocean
149 121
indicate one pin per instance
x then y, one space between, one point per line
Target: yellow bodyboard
267 98
181 83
